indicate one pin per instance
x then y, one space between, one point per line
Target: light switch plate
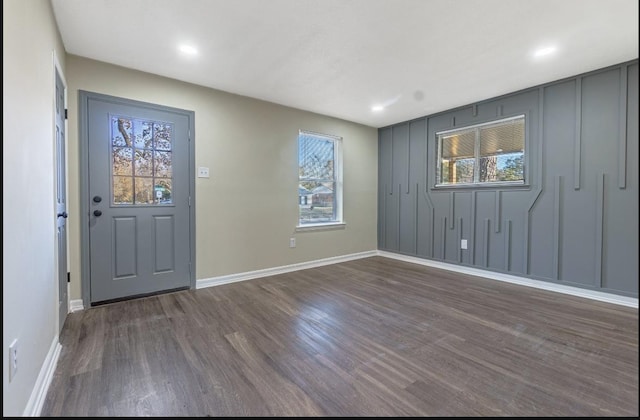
203 172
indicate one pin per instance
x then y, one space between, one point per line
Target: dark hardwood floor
372 337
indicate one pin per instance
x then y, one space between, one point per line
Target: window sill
320 226
481 186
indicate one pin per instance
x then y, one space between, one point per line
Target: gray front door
138 198
61 204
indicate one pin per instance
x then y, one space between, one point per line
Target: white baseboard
76 305
39 393
232 278
509 278
523 281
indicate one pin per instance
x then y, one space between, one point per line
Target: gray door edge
58 74
83 148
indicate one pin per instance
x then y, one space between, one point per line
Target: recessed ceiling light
377 108
188 49
541 52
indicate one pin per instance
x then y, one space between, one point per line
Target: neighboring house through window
319 179
483 153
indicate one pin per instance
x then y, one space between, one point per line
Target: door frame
58 72
83 142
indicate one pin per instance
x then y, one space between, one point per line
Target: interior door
139 199
61 204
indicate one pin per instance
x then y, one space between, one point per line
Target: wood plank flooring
372 337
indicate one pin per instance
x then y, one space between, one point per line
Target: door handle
97 213
63 214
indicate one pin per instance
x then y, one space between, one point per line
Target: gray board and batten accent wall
575 219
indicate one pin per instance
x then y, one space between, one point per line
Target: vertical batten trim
398 219
486 243
416 220
525 262
540 136
391 165
599 229
577 141
474 110
507 245
472 228
452 204
408 158
384 218
433 233
499 111
497 209
557 214
622 139
459 240
443 239
426 158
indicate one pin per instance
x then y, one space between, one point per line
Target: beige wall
29 283
247 211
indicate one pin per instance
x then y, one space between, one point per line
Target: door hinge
189 201
68 277
66 114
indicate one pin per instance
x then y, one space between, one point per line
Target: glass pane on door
141 162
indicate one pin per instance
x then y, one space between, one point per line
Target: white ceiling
341 57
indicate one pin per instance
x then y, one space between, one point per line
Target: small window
319 179
483 153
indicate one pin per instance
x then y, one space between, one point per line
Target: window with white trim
319 179
482 154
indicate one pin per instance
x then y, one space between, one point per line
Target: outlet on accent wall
463 244
13 359
292 242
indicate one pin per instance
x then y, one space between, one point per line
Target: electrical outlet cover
13 359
